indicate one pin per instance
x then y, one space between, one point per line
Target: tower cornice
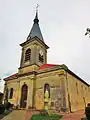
33 39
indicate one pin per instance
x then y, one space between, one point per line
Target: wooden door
24 91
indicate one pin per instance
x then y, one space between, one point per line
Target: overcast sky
63 24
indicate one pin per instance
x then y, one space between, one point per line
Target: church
26 88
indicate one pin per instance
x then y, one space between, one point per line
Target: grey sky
63 24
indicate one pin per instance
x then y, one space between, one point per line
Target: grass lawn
46 117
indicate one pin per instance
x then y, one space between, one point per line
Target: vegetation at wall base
46 117
5 109
87 112
6 112
8 105
2 108
44 112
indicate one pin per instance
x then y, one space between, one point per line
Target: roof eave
76 76
32 39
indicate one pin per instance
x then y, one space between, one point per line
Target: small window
28 55
41 59
11 93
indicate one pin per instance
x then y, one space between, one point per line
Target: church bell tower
34 49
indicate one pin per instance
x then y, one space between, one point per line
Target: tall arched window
11 93
28 54
24 92
47 87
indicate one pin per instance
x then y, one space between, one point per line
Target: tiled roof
11 77
44 66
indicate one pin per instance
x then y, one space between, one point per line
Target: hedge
46 117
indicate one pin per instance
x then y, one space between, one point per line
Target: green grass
46 117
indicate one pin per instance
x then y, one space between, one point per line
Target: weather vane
37 8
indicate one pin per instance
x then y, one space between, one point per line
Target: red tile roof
47 66
44 66
11 77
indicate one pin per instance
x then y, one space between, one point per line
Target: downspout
69 103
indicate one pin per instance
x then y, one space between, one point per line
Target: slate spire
35 31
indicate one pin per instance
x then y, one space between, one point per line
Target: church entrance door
24 91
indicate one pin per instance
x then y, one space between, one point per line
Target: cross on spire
36 20
37 8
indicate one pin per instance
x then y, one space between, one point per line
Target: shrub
8 105
47 117
43 112
87 112
2 109
12 105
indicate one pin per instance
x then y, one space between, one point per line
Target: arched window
6 94
41 59
47 87
11 93
28 54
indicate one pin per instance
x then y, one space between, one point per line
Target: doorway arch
24 91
